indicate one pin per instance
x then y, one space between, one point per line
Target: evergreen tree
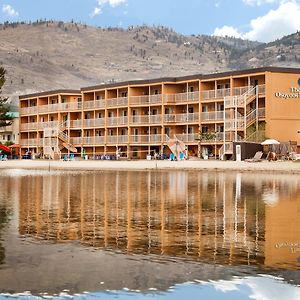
5 118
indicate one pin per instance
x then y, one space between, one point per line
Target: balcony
88 122
115 121
75 123
31 142
29 126
145 100
28 110
215 94
145 119
120 101
212 116
146 139
100 122
76 140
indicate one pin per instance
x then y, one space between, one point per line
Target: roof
166 80
193 77
50 93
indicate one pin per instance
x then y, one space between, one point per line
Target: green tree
5 117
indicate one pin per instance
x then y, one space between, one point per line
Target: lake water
149 234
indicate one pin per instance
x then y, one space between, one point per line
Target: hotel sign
293 94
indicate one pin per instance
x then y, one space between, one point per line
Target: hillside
52 55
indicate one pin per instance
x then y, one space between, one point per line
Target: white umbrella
270 142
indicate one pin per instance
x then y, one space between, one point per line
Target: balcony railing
145 119
29 126
100 122
212 116
146 139
145 100
215 94
114 121
75 123
120 101
28 110
76 140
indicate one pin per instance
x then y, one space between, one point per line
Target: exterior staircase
55 139
241 122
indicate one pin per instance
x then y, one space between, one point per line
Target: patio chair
256 158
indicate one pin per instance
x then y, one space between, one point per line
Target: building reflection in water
230 219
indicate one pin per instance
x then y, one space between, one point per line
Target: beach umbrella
4 148
176 146
270 142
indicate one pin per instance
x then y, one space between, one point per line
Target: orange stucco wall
282 114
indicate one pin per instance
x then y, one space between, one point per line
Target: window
191 89
190 130
124 113
204 129
156 92
191 110
124 94
110 114
204 108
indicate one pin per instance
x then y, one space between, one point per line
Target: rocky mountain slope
52 55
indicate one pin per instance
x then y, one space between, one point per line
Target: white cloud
227 31
97 11
276 23
112 3
9 10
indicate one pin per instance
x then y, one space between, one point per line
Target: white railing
120 101
123 139
112 121
89 104
99 140
100 122
193 96
112 139
139 119
145 99
75 140
75 123
146 139
215 94
212 116
88 140
187 117
29 126
71 106
99 104
28 110
237 124
29 142
170 118
88 122
240 100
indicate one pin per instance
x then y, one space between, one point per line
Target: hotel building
204 113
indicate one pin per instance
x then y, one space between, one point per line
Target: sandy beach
92 165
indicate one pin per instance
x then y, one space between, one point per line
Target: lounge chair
256 158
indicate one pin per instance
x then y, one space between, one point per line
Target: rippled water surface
148 234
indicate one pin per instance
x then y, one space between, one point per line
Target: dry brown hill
51 55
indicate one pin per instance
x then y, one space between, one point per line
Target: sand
278 166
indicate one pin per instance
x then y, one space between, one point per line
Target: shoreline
200 165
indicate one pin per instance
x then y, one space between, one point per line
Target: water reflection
237 219
146 230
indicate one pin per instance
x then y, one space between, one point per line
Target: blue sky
262 20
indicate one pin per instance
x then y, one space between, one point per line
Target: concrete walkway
278 166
